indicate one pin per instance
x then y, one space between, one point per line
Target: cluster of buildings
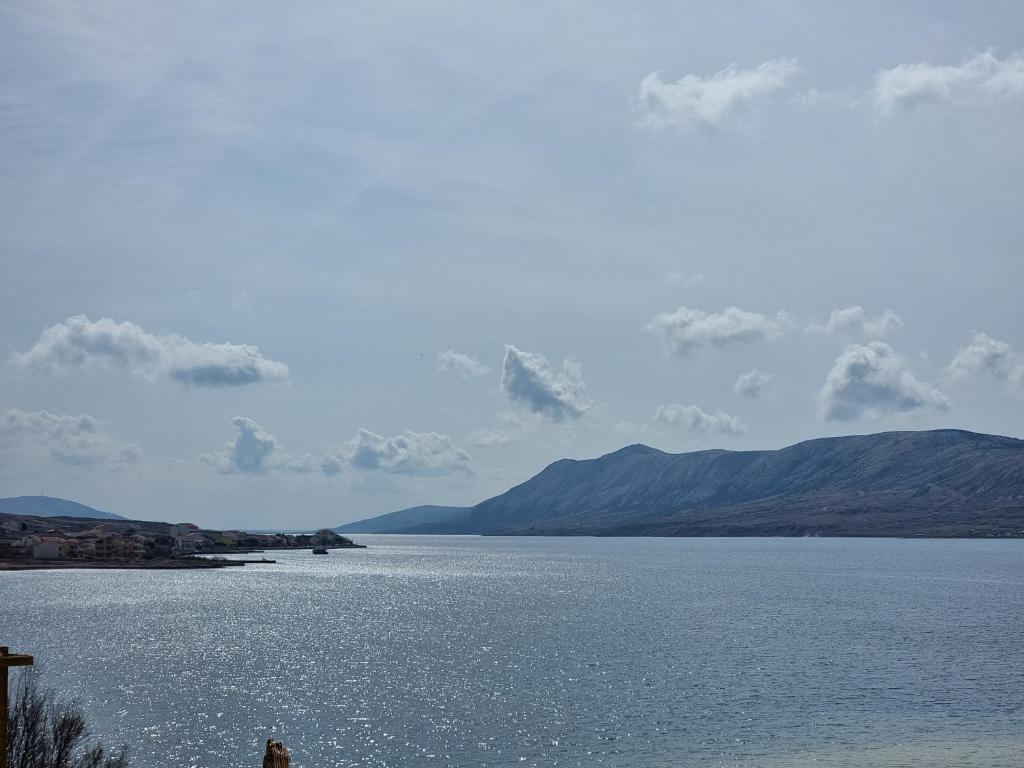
92 544
23 540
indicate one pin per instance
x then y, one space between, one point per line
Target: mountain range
929 483
48 506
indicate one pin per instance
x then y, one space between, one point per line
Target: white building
47 550
186 536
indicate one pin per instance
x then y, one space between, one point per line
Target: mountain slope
47 506
941 482
392 522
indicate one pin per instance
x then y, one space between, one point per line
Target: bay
467 651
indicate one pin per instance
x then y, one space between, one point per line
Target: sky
268 265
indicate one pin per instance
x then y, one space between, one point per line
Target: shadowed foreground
48 732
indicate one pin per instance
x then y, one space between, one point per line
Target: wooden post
7 660
276 755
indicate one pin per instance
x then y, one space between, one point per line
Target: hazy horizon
264 268
327 523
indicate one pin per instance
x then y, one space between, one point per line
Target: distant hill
931 483
47 506
393 522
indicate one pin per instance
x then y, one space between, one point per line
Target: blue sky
261 266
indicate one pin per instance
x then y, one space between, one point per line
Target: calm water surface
451 651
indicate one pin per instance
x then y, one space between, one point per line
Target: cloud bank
74 440
686 330
529 380
254 451
981 79
872 381
708 101
698 422
79 342
411 453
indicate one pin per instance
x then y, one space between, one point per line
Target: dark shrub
47 732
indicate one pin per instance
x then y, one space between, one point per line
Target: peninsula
29 542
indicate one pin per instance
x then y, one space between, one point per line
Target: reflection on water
453 651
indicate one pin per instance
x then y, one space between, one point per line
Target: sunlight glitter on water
537 652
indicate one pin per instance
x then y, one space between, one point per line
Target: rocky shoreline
162 563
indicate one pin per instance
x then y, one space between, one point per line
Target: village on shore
28 541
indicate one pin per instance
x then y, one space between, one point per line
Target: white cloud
66 439
983 78
855 322
331 465
699 422
984 355
304 465
872 381
509 429
686 330
79 342
992 358
251 452
753 384
254 451
489 438
411 453
1016 380
684 279
465 365
529 379
707 101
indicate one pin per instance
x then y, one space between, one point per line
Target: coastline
31 543
203 560
162 564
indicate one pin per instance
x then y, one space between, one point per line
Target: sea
478 651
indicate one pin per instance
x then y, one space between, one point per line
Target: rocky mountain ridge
929 483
